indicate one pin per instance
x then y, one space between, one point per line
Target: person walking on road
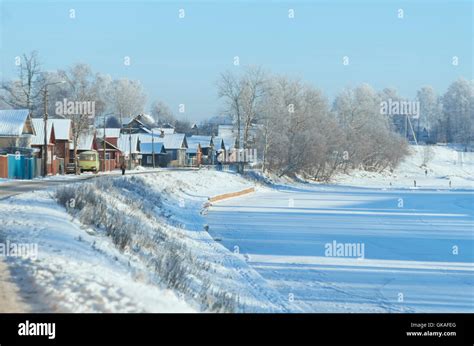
122 167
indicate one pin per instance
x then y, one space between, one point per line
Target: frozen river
346 249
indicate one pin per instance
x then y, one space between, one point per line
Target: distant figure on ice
449 183
426 172
414 183
122 167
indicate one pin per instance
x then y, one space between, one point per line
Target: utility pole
130 142
153 147
45 120
104 146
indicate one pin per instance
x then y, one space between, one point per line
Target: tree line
294 126
297 130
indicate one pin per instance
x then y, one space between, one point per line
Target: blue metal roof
147 148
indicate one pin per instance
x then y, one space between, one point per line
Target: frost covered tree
81 85
127 98
24 91
458 111
371 142
162 113
429 111
243 96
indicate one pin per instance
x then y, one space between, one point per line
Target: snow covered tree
24 91
429 112
458 111
127 98
162 113
242 94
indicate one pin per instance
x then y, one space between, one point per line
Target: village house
219 150
37 141
153 150
206 147
16 154
113 154
129 146
16 128
193 154
63 138
175 145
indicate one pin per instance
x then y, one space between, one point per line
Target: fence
20 167
3 166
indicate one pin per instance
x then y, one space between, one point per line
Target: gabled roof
147 148
85 141
13 122
229 142
109 132
193 147
170 141
108 145
62 129
124 143
204 141
219 143
38 138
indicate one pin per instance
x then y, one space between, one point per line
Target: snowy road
15 187
417 244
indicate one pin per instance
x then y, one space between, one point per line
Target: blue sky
179 60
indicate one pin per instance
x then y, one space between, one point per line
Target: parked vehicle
70 168
89 161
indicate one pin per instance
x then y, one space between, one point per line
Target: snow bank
133 244
441 163
76 269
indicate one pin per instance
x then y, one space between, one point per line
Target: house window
149 160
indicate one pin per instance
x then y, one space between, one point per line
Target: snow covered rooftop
38 138
109 132
147 148
219 143
204 141
125 141
85 141
62 128
170 141
12 121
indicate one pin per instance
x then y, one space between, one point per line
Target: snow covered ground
74 269
417 258
79 268
417 244
441 163
263 252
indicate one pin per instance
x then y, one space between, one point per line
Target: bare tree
161 113
126 98
230 89
80 87
23 92
243 97
458 111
